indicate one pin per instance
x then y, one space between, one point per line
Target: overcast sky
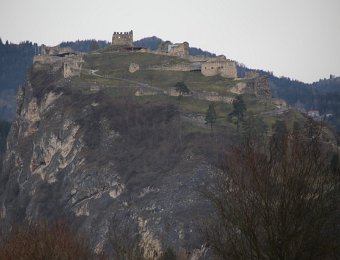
299 39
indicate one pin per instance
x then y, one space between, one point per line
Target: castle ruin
219 66
259 86
73 66
69 61
208 66
175 49
122 39
55 51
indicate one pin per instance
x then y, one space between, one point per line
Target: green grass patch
120 91
117 65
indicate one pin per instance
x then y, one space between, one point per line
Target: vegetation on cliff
276 199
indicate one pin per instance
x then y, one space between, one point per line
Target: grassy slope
117 65
114 64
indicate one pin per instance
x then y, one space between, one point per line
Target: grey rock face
87 157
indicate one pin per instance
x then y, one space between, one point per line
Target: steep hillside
118 144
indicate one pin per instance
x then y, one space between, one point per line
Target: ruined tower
122 39
219 66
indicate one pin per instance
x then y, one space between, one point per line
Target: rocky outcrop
86 157
239 88
133 67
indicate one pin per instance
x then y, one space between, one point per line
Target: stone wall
179 49
259 87
56 50
72 66
198 58
251 74
147 92
122 39
205 95
164 46
213 97
177 67
226 69
43 60
176 49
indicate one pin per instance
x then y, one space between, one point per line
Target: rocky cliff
95 160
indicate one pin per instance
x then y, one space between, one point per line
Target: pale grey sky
295 38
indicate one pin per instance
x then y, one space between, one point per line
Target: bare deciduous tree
42 240
124 239
275 202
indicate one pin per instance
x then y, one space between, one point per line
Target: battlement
124 33
122 39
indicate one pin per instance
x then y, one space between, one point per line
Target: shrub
44 241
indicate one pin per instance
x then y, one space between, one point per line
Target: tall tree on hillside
182 89
210 117
254 128
276 201
239 109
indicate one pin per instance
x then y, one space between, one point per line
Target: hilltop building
175 49
219 66
122 39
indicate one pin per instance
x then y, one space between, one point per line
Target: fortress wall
226 69
229 70
45 50
45 59
209 96
198 58
213 97
251 74
181 50
177 49
72 66
142 91
177 67
259 87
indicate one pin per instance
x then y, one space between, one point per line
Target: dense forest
85 45
323 95
15 59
